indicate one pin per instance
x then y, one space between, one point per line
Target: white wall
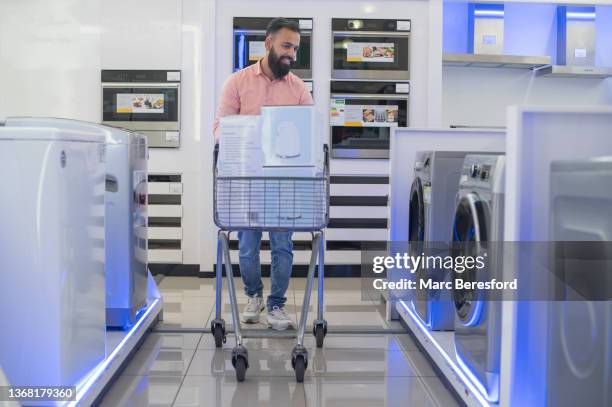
49 58
51 54
480 96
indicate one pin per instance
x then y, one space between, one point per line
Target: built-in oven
249 37
147 102
370 49
362 114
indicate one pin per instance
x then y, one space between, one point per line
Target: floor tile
350 363
376 391
224 391
159 362
142 391
175 341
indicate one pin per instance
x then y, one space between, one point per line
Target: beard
279 68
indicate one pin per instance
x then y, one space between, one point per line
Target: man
266 83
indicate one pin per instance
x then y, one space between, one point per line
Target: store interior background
51 54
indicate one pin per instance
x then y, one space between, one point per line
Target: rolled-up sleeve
229 103
306 97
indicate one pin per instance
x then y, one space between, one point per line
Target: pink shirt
247 90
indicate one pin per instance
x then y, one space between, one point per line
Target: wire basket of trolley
271 173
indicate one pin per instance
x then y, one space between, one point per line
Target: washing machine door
416 221
470 236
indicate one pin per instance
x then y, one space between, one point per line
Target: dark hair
278 24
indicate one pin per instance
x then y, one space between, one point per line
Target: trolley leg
321 278
230 286
308 291
299 355
240 356
217 326
319 328
219 280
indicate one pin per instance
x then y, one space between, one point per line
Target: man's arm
229 104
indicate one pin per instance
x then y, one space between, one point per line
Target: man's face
282 47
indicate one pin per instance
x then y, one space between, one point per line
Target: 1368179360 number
37 393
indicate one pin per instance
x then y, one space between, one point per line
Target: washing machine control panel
474 170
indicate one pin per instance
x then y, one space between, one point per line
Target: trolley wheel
219 338
320 331
240 361
240 365
320 336
217 328
299 362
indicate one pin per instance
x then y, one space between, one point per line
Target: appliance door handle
112 184
139 85
472 198
366 96
370 34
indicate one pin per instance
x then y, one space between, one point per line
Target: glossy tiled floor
186 370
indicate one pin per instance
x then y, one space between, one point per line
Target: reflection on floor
186 370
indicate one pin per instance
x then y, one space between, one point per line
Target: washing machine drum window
469 236
416 221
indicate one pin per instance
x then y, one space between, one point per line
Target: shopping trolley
296 204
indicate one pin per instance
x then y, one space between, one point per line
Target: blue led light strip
470 381
489 13
577 15
85 386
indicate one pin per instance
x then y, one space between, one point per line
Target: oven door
367 55
141 106
249 48
361 124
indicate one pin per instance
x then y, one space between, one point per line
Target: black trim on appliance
369 87
299 270
356 245
136 76
175 270
357 223
162 199
366 24
358 200
339 179
163 244
265 245
164 222
261 23
164 178
330 245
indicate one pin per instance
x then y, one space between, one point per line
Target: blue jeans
249 243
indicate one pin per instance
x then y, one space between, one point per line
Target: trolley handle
215 157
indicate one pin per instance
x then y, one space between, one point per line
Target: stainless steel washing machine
476 229
125 225
432 200
579 340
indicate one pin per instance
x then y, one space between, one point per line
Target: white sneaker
251 312
279 320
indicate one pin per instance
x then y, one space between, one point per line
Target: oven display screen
370 52
146 103
354 115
